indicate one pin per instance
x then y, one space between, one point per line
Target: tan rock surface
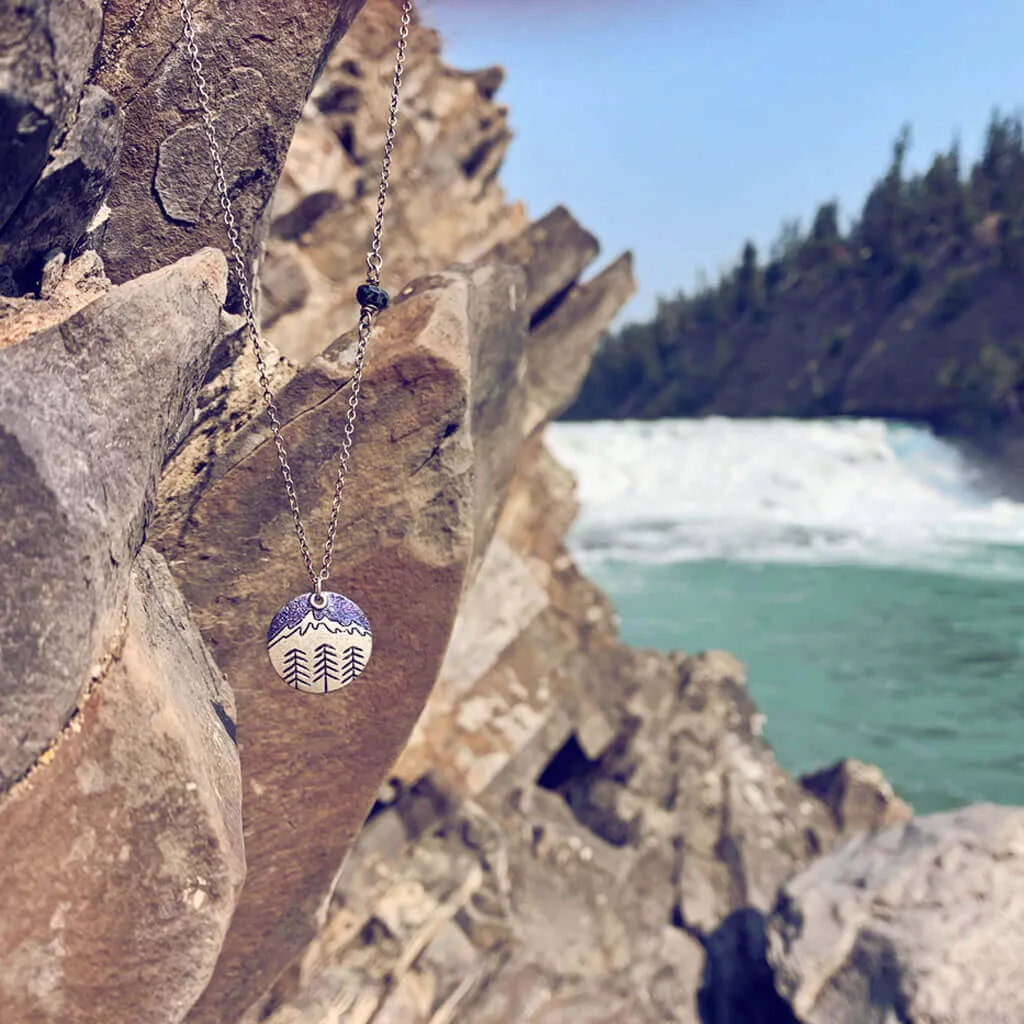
405 539
115 899
858 795
259 64
446 205
920 922
67 289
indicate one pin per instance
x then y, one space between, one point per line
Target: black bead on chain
372 296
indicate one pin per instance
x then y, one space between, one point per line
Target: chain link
246 287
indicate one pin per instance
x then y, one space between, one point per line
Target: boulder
858 795
920 922
405 541
89 409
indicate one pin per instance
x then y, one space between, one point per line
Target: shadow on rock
737 987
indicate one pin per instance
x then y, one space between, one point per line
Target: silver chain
245 287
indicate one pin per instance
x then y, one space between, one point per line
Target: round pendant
319 649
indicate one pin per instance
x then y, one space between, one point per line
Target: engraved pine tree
296 667
325 665
352 663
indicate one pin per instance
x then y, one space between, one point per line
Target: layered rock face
120 788
445 203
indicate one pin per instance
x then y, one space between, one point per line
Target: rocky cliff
559 828
445 205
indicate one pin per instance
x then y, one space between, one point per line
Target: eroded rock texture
918 923
114 902
259 67
446 204
89 409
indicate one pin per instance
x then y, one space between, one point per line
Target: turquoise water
920 673
871 584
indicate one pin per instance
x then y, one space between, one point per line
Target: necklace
319 641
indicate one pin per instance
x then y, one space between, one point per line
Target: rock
858 796
123 854
79 283
556 249
561 346
445 204
694 781
919 922
284 286
259 66
62 204
563 943
47 48
405 542
489 81
89 409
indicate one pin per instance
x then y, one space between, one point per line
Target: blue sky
679 128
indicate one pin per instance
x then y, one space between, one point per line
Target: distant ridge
915 313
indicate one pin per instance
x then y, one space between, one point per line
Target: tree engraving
296 668
325 665
352 663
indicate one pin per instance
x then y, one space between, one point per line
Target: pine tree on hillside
920 239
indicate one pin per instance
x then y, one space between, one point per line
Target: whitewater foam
818 492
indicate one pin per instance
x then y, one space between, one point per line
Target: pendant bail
318 600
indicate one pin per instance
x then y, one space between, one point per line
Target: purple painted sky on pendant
338 609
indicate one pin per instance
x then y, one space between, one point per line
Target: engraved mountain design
325 665
352 663
296 668
317 650
312 623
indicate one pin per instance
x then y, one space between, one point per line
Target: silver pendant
317 646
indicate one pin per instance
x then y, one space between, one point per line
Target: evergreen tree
749 286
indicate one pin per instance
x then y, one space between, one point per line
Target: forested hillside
915 310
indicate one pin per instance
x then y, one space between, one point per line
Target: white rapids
813 492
